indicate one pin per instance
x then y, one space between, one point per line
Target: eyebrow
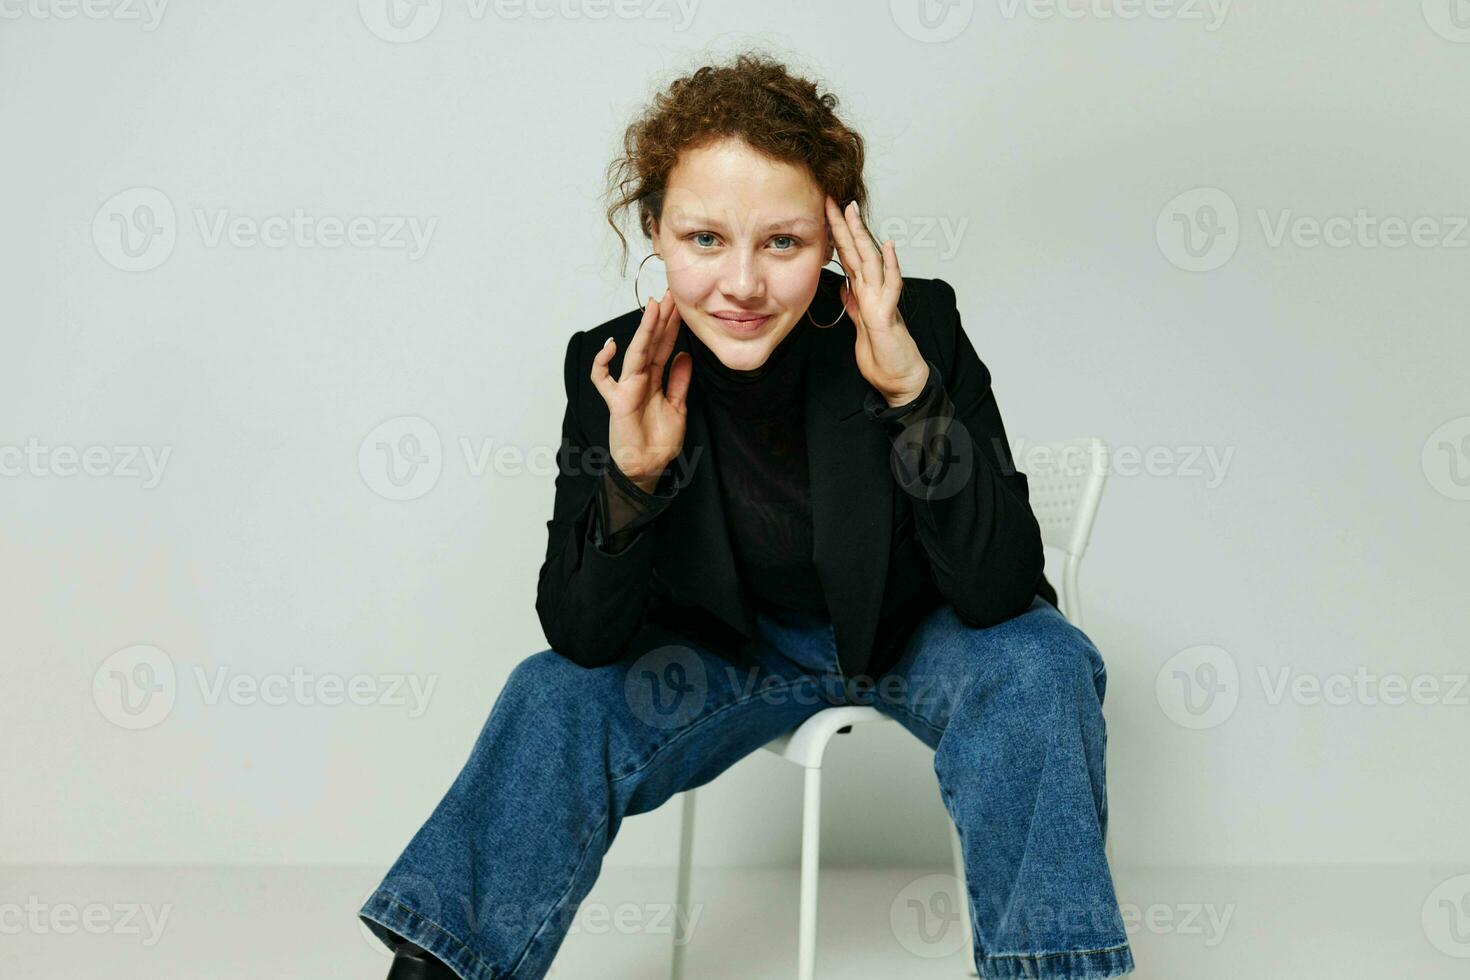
696 219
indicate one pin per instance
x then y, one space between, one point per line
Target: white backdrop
243 243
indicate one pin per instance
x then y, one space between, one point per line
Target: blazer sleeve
590 600
972 508
623 509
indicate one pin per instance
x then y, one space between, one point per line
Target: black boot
412 962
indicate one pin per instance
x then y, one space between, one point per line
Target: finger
668 335
847 252
657 334
871 261
679 376
634 358
892 275
601 379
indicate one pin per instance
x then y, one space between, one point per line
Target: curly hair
753 98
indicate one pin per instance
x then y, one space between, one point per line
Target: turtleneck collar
708 365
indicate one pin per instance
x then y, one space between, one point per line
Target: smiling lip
742 324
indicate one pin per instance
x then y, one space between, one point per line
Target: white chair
1065 480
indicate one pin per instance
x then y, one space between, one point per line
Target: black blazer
885 556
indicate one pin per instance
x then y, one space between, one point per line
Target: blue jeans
490 884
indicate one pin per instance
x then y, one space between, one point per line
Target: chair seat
805 743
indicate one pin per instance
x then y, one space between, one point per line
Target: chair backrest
1066 480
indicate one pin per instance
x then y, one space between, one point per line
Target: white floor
1300 923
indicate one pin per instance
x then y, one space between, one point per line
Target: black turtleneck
758 440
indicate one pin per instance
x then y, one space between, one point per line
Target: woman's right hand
646 424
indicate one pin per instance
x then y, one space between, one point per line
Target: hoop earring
638 300
824 326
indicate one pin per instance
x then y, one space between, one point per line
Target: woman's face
744 239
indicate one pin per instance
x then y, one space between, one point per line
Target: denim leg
1014 715
491 882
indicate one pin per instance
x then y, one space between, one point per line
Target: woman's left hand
887 355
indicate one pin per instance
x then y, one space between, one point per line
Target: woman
804 499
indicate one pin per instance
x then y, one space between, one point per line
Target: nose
741 279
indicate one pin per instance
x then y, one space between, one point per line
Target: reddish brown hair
753 98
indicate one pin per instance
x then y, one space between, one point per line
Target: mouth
742 324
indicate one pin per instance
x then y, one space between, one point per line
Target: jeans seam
919 718
393 900
785 685
561 901
1060 952
836 654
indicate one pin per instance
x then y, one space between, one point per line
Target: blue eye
791 240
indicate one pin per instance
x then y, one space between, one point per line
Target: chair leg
811 831
681 900
964 904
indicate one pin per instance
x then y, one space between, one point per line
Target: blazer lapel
851 487
694 558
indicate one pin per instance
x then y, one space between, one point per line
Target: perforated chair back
1065 480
